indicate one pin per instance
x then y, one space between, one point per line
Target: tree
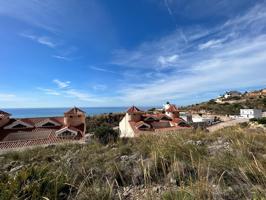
106 134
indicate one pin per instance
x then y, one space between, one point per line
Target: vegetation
260 121
111 119
228 164
230 108
106 134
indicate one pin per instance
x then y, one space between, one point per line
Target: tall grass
228 164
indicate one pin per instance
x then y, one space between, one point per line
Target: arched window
66 134
48 124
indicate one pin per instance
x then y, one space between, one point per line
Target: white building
185 116
250 113
199 119
137 122
232 94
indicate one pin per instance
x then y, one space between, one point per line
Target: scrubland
227 164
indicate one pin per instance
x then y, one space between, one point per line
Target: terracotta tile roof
34 142
138 124
172 108
33 136
134 109
36 133
155 126
157 116
3 113
74 110
177 120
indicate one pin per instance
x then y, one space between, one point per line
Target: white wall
125 128
197 119
250 113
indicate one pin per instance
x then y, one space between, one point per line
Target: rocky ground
228 164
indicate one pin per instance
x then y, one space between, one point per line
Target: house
250 113
232 94
137 122
41 130
186 116
257 93
219 100
204 120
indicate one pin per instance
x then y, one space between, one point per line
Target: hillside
229 164
230 106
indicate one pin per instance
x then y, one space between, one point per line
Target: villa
232 94
23 132
137 122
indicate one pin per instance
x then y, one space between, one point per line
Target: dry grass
228 164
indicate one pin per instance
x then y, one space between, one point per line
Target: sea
50 112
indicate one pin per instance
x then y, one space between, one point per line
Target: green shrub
106 134
253 120
227 164
262 120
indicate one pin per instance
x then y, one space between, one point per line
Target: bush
264 101
106 134
151 109
262 120
111 119
253 120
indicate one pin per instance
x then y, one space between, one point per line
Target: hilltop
231 105
228 164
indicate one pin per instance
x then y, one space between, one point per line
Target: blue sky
118 53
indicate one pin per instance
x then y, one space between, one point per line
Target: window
79 115
70 116
165 118
19 126
143 127
149 119
67 134
48 124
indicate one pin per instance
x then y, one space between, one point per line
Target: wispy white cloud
36 13
99 87
61 57
101 69
7 97
211 44
49 91
65 90
234 57
167 60
46 41
43 40
79 95
61 84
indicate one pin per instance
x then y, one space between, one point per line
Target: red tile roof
178 120
34 135
157 116
134 109
36 120
172 108
157 125
74 110
138 124
33 142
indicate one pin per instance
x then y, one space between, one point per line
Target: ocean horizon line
78 107
52 112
